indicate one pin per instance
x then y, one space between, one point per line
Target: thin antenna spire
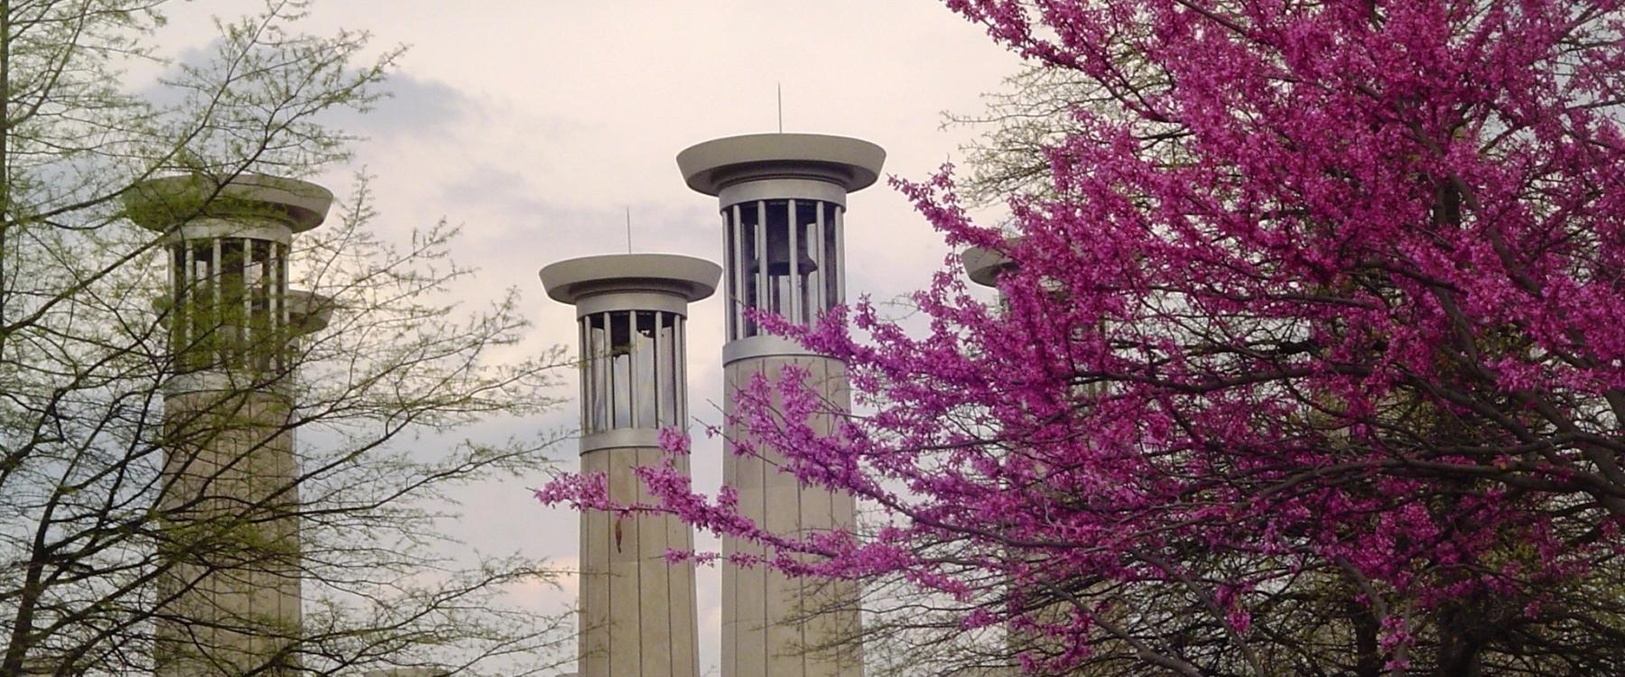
780 87
629 229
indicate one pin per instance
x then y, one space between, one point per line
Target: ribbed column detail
638 610
773 625
230 598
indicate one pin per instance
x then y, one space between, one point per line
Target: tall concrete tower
228 602
638 616
783 203
984 267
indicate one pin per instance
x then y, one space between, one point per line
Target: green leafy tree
96 522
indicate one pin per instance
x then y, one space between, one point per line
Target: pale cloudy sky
537 124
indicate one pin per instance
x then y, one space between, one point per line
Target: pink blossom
1320 296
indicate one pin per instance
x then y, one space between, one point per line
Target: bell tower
638 611
228 594
782 198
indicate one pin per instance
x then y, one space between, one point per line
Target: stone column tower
228 597
783 203
638 616
984 267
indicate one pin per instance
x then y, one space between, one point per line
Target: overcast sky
537 124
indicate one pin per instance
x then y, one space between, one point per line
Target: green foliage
118 490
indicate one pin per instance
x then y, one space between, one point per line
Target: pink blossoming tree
1310 357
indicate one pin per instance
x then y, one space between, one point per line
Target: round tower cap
984 265
161 204
691 278
309 312
711 166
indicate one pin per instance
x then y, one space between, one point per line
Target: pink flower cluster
1327 296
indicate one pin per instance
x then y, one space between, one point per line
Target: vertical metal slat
282 285
217 280
658 362
763 292
584 373
245 329
839 255
736 305
815 280
632 408
276 308
181 261
795 262
679 333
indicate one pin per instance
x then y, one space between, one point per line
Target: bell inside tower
782 260
229 308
